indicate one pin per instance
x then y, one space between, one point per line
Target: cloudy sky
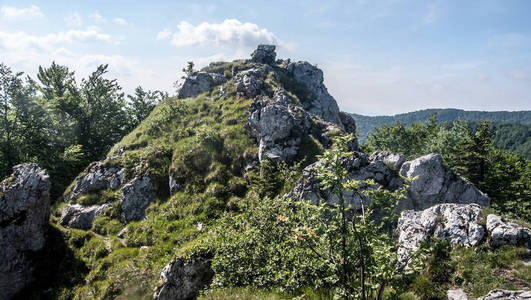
378 57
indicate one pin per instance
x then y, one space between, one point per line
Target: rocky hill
144 221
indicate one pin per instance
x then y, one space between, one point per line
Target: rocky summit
212 190
24 215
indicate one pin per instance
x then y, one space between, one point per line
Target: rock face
277 125
320 102
136 196
264 54
503 233
506 295
97 177
24 215
457 294
359 167
198 83
249 83
183 279
456 223
81 217
436 184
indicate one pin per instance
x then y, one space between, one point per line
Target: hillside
250 184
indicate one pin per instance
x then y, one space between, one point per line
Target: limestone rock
136 196
436 184
264 54
277 125
183 279
391 160
359 167
502 233
80 216
198 83
320 102
97 177
506 295
456 223
249 83
457 294
24 215
348 122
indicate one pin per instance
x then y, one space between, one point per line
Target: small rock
457 294
198 83
248 83
506 295
97 177
391 160
502 233
183 279
80 216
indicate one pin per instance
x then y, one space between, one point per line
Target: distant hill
513 128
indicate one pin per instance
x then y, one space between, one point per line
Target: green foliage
291 245
433 281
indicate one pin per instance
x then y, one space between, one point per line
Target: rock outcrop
507 233
199 82
319 102
249 82
80 216
24 215
136 196
506 295
359 167
183 279
264 54
435 184
456 223
98 176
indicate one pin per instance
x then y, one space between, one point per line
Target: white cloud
164 34
97 18
21 40
11 12
432 15
467 65
230 32
520 75
74 20
120 21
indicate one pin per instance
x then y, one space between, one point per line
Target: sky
378 57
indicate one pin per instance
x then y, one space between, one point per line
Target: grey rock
506 295
320 102
348 122
24 215
97 177
437 184
457 294
456 223
503 233
277 125
249 83
183 279
80 216
391 160
264 54
359 167
136 196
198 83
174 185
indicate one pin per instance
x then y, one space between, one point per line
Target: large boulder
503 233
199 82
506 295
136 196
24 215
80 216
183 279
277 125
359 167
264 54
459 224
98 176
319 102
434 184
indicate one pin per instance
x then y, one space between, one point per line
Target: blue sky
378 57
